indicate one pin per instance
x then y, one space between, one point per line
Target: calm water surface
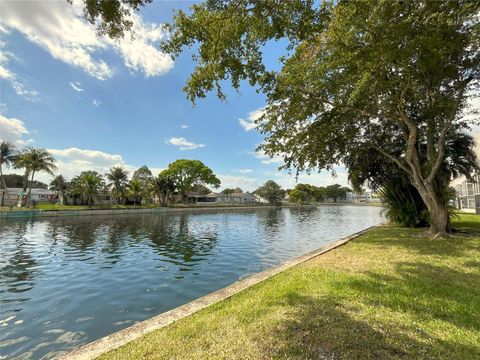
68 281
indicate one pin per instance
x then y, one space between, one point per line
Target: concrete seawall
110 342
94 212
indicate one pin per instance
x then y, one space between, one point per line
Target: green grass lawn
391 293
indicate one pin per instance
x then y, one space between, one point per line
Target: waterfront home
364 197
234 198
12 196
101 198
467 195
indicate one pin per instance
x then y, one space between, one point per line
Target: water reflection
67 281
17 264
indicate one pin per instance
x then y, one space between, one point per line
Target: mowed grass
392 293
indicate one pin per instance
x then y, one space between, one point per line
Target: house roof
214 195
35 191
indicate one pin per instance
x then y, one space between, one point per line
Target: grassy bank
392 293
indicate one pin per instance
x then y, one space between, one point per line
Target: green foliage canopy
363 74
186 174
163 187
271 191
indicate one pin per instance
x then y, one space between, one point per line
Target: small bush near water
403 205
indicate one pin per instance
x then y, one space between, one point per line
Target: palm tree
35 160
60 185
228 192
90 183
118 178
7 156
135 190
163 186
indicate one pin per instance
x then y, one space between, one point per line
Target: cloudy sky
95 103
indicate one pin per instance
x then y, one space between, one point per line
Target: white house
12 195
468 195
234 198
365 197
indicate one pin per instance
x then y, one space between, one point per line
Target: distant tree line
182 177
18 181
305 193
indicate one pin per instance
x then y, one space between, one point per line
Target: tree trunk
3 180
30 190
25 181
437 210
4 186
439 221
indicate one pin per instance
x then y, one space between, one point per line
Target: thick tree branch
394 159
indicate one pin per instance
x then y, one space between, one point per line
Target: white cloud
472 112
184 126
88 156
21 90
56 27
8 75
288 181
76 86
14 130
184 144
140 53
253 116
245 183
244 171
276 159
96 102
60 29
72 161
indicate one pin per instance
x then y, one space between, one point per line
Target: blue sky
95 103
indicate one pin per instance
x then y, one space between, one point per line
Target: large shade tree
359 74
187 174
145 176
271 191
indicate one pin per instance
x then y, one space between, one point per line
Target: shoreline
119 338
16 214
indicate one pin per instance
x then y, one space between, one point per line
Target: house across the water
12 195
233 198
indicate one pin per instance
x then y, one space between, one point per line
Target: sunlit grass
392 293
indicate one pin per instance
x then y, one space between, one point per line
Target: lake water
68 281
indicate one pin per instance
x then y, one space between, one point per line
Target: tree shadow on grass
331 326
324 329
419 241
427 291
